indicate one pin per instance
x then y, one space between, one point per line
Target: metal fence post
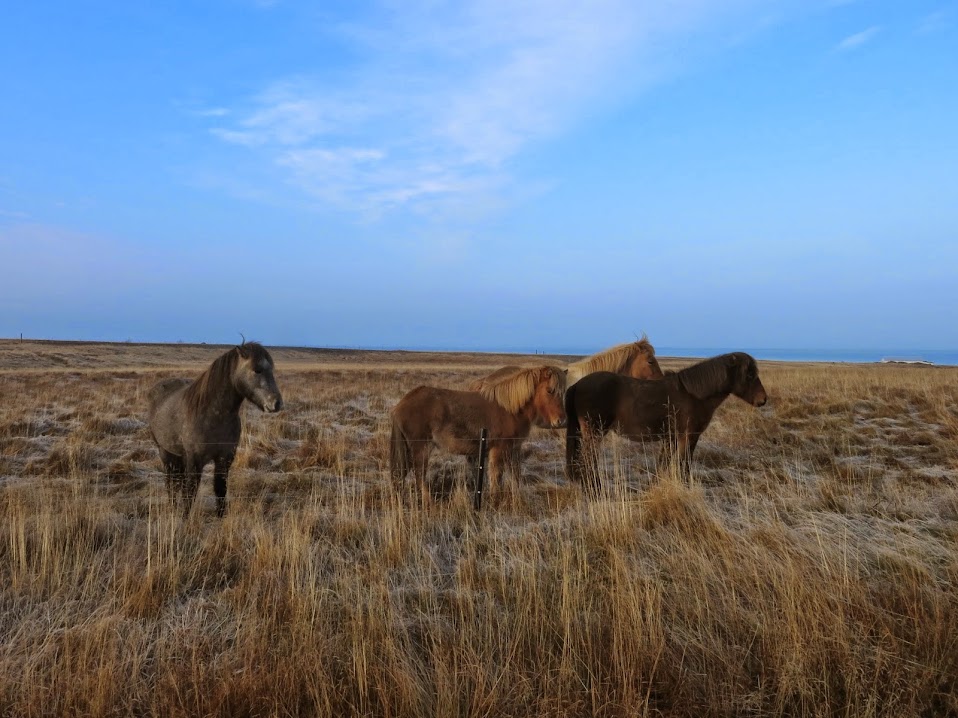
481 470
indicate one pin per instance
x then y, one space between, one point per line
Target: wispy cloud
212 112
934 22
855 41
448 94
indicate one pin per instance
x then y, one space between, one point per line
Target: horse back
427 411
163 390
166 416
630 406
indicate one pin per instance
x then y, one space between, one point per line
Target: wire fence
102 481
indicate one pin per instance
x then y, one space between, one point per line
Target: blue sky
482 174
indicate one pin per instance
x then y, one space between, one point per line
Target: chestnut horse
196 422
677 409
506 407
635 359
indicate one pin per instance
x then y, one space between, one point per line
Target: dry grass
810 568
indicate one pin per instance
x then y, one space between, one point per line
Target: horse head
644 365
549 397
253 377
743 376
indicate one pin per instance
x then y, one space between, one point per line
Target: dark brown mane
202 392
706 378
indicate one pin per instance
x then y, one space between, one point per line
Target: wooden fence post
481 470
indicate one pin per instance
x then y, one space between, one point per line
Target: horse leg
172 474
494 468
169 481
173 468
666 452
685 457
221 469
677 452
589 456
420 451
514 462
190 484
574 443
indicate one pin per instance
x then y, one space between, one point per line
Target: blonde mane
513 389
614 359
478 384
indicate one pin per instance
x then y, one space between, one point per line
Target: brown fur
196 422
677 409
506 407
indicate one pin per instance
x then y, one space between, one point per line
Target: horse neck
573 374
225 398
713 402
521 422
221 396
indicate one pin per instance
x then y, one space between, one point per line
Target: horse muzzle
760 400
271 406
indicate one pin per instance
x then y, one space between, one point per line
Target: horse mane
204 388
512 390
613 359
478 384
707 378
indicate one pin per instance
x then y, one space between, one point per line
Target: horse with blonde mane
506 407
634 359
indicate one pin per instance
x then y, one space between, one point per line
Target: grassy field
810 568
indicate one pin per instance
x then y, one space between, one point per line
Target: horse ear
243 350
742 363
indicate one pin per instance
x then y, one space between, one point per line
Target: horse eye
258 370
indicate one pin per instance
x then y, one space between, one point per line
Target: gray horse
196 422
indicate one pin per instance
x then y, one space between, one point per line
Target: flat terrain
810 567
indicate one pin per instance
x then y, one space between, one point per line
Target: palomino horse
635 359
677 409
196 422
506 407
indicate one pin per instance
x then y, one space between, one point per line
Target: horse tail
573 436
400 456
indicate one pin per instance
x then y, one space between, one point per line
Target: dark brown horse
506 407
196 422
676 409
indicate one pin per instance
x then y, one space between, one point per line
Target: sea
947 357
942 357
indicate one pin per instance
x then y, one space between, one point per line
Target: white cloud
934 22
447 94
212 112
858 39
